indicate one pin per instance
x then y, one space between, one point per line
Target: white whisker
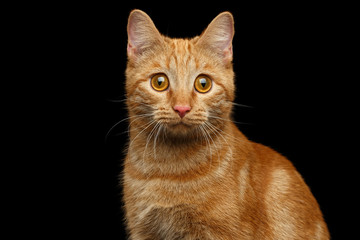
156 136
207 141
224 119
219 134
147 126
207 126
116 124
240 105
148 139
116 100
225 133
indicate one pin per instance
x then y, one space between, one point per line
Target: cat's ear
142 33
218 36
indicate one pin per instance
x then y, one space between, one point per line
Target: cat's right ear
142 34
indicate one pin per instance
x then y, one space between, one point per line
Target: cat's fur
199 177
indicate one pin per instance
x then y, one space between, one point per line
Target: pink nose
182 110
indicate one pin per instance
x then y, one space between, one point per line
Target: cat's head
179 85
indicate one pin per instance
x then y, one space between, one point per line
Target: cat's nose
182 110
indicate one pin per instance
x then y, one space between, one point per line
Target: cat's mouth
180 124
184 122
182 127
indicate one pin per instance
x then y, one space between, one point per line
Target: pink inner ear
131 50
132 31
142 33
218 36
228 53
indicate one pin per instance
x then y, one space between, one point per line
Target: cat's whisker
142 103
146 127
240 105
206 134
207 126
128 129
125 119
148 139
140 117
224 119
204 138
164 134
202 134
225 133
155 139
116 100
221 135
215 131
197 133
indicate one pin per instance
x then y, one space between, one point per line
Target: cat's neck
160 156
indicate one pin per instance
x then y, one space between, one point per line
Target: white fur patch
243 176
319 232
280 215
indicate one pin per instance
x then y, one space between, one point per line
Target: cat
189 173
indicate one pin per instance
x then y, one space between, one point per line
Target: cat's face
179 85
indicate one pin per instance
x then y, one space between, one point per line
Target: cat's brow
181 54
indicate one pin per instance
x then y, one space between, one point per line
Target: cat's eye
203 84
160 82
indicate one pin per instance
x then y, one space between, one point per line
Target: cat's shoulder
279 175
273 167
286 196
268 156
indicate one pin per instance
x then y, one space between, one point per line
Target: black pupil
160 81
203 82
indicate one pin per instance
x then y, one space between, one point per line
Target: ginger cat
189 172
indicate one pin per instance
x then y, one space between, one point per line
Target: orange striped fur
198 176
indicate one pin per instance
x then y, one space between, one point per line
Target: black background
286 60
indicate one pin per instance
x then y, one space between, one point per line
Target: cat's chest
167 192
173 209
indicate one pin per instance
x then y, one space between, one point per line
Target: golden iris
160 82
203 83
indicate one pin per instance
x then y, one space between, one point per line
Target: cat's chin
181 129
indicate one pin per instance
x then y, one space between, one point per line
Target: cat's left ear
218 36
